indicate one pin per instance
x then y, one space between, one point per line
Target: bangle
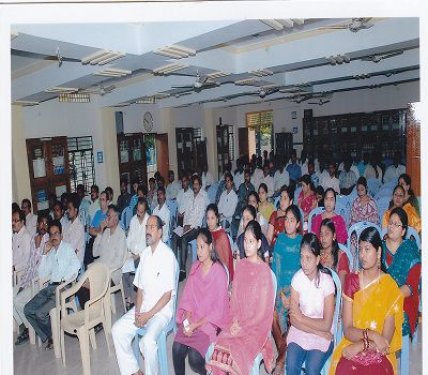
366 339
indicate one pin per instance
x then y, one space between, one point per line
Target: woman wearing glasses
398 200
402 260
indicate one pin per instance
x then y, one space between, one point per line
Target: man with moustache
22 291
74 232
155 280
59 264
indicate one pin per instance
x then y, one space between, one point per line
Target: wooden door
162 153
413 159
243 142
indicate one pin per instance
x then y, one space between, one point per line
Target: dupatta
371 305
206 296
252 308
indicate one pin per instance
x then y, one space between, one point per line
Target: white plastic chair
118 287
312 214
96 311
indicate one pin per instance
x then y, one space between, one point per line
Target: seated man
30 218
110 248
173 186
155 280
22 291
228 200
59 264
74 232
21 240
183 197
162 211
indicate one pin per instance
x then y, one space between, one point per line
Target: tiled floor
34 360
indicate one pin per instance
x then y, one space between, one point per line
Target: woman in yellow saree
372 316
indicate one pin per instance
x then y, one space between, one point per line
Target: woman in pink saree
203 307
251 313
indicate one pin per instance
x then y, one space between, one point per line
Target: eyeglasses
397 225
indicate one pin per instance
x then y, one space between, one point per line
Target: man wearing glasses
155 280
59 264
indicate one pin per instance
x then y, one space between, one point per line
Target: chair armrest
95 299
66 293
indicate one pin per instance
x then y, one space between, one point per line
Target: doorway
157 154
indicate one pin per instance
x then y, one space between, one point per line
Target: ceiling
238 62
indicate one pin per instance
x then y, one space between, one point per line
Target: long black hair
311 241
296 213
207 237
335 246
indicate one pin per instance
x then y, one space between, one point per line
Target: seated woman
372 316
251 312
311 312
409 196
286 262
331 255
254 200
220 238
265 207
307 199
401 259
398 201
249 214
203 307
277 218
339 222
364 207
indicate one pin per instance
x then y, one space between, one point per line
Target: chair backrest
296 194
212 191
98 275
275 286
84 216
354 233
343 209
276 202
125 218
337 307
312 214
374 186
174 306
349 255
382 205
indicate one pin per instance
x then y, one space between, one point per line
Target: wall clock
148 122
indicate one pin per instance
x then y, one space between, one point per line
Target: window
81 162
260 134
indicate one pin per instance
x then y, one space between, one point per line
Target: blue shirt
294 171
99 217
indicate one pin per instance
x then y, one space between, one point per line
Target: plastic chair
125 218
382 205
296 193
118 287
97 310
161 340
357 228
312 214
255 370
343 209
405 355
173 210
348 254
374 186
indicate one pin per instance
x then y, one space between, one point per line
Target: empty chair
96 311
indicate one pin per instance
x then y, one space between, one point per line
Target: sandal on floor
23 337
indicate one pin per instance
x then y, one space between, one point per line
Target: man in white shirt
58 214
281 177
268 180
228 200
21 243
162 211
173 186
207 177
155 280
192 221
183 197
59 263
23 291
257 175
135 243
94 202
30 218
238 177
394 171
330 180
74 232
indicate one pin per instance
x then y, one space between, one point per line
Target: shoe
98 328
49 345
182 275
129 306
23 337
